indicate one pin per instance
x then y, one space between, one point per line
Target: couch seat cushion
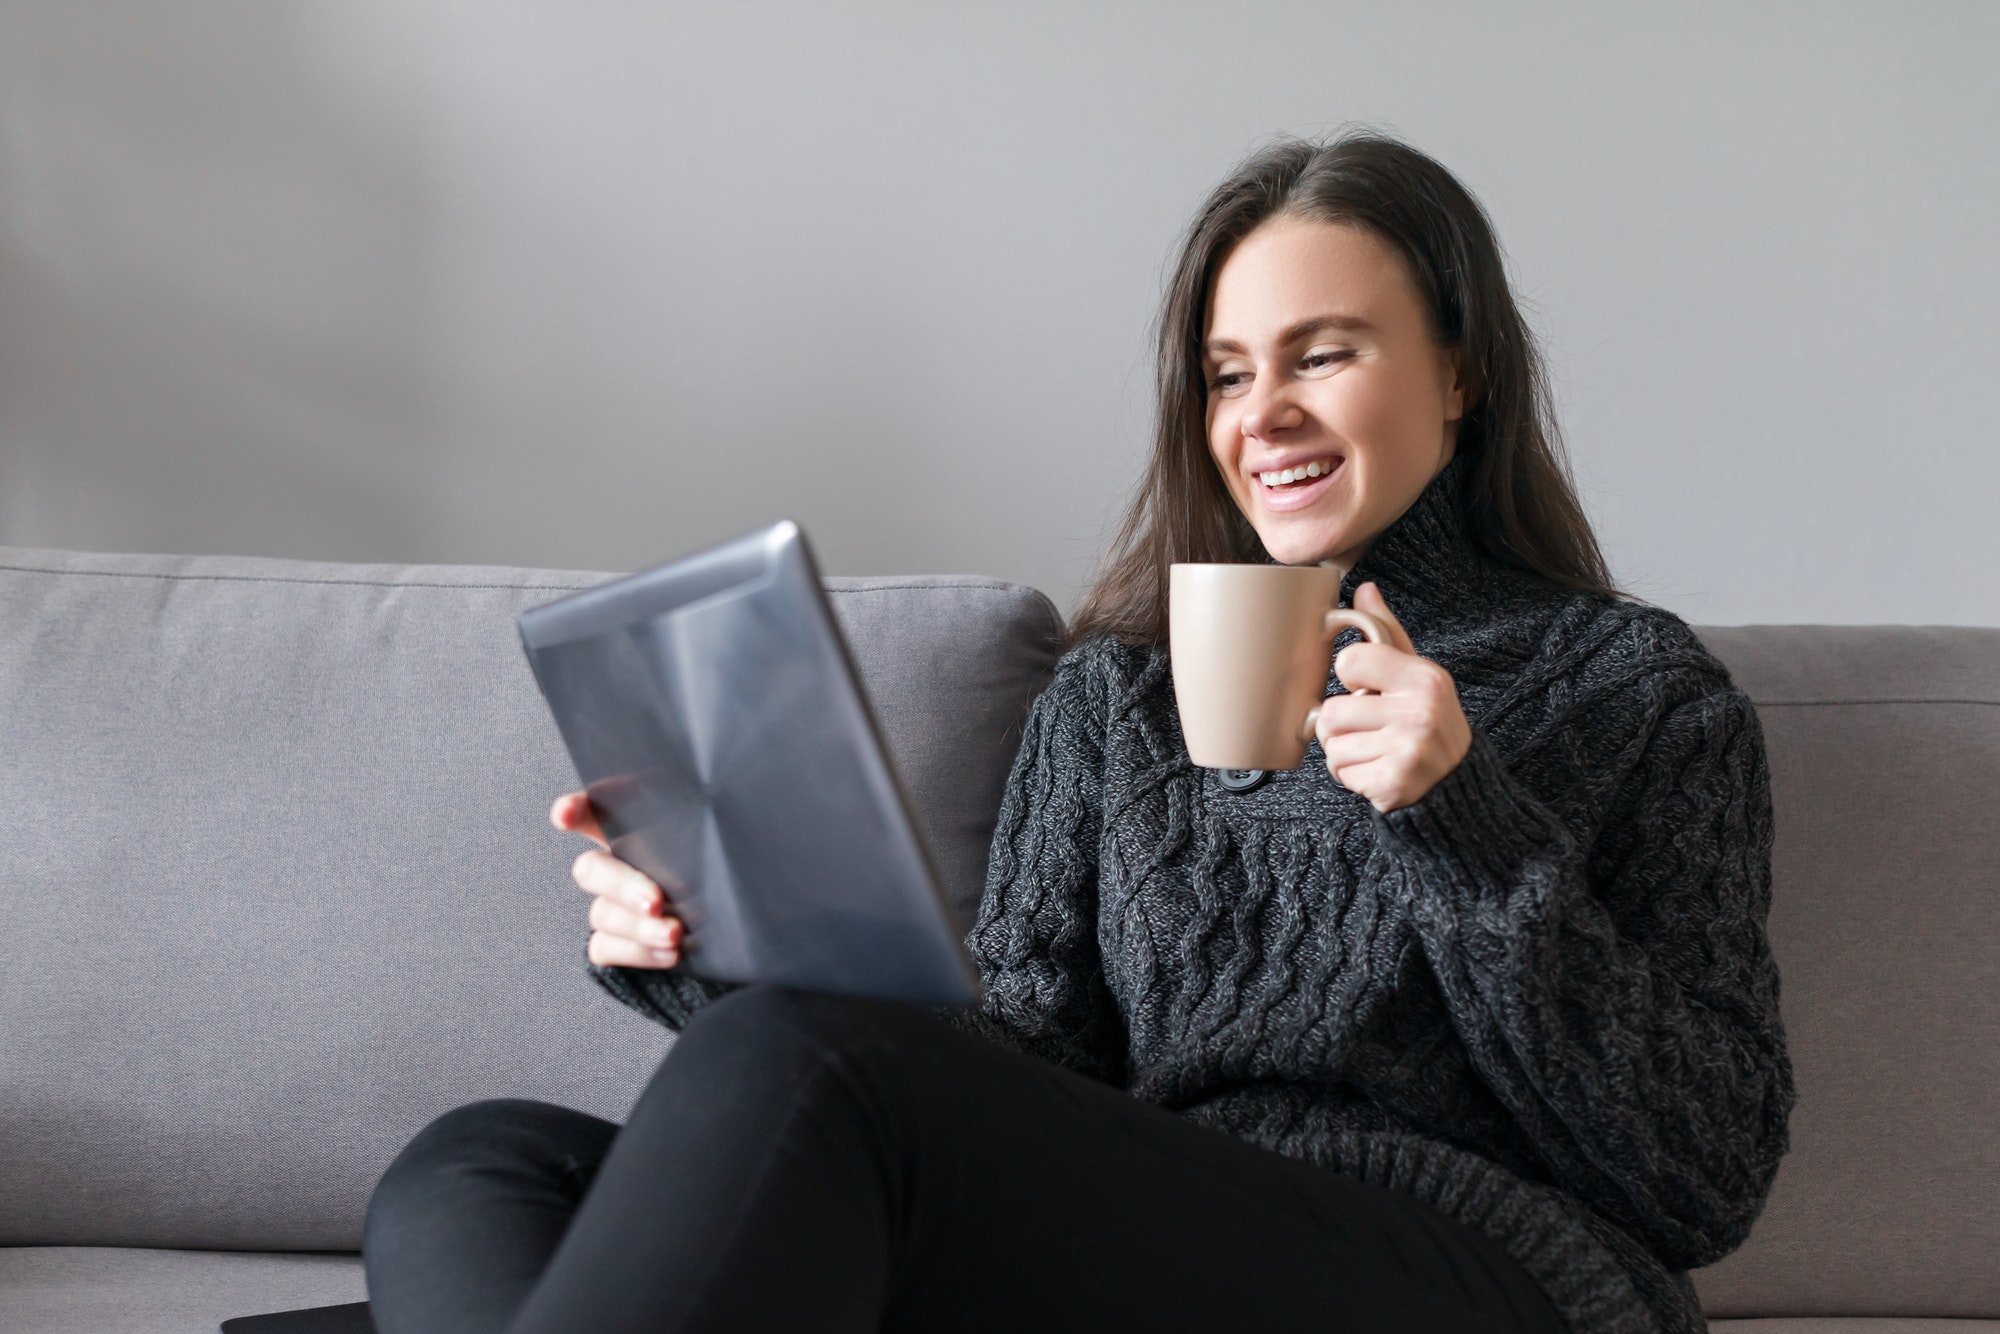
121 1290
1853 1324
118 1290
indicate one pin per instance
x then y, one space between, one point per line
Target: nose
1270 409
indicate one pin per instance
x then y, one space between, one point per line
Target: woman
1470 1023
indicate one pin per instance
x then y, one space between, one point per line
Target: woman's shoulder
1610 678
1106 660
1103 675
1606 643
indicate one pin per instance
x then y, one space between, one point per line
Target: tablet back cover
715 719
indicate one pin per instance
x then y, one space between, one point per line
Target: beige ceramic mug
1251 646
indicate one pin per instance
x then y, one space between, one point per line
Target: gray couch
277 887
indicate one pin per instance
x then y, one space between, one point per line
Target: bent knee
500 1134
475 1130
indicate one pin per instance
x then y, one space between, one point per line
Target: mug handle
1342 618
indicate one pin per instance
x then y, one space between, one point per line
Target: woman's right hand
631 925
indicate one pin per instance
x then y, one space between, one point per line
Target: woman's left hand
1394 745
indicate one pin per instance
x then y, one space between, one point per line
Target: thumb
1369 598
574 814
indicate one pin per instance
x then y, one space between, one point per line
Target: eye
1228 382
1325 358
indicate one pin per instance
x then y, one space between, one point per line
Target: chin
1297 548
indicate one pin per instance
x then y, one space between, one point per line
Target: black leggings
810 1162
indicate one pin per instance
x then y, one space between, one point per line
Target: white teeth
1298 474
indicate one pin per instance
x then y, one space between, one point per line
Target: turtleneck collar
1426 563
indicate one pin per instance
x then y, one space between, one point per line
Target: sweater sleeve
1610 972
1035 940
665 996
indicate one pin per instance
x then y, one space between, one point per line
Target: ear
1453 374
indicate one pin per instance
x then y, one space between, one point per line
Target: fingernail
666 957
661 934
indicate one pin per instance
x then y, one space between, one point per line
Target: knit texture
1541 999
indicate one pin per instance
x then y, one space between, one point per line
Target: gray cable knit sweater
1540 999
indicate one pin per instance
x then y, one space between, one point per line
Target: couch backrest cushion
1885 920
277 884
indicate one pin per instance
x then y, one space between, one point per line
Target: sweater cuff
1479 826
664 996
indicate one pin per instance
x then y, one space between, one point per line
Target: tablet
715 718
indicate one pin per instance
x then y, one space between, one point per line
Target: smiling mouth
1282 479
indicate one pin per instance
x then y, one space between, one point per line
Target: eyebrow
1317 324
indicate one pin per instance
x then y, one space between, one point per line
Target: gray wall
590 284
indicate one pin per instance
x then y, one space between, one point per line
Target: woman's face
1321 367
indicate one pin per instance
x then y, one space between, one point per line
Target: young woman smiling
1470 1023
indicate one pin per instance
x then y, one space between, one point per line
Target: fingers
1370 727
1387 670
629 935
609 951
633 928
1383 782
1386 765
574 814
1369 598
1357 748
1352 713
611 916
602 874
1354 731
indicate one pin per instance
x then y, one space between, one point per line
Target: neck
1426 561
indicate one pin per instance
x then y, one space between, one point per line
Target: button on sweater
1541 999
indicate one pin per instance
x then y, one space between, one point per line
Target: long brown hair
1521 506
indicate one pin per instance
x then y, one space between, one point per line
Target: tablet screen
714 716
